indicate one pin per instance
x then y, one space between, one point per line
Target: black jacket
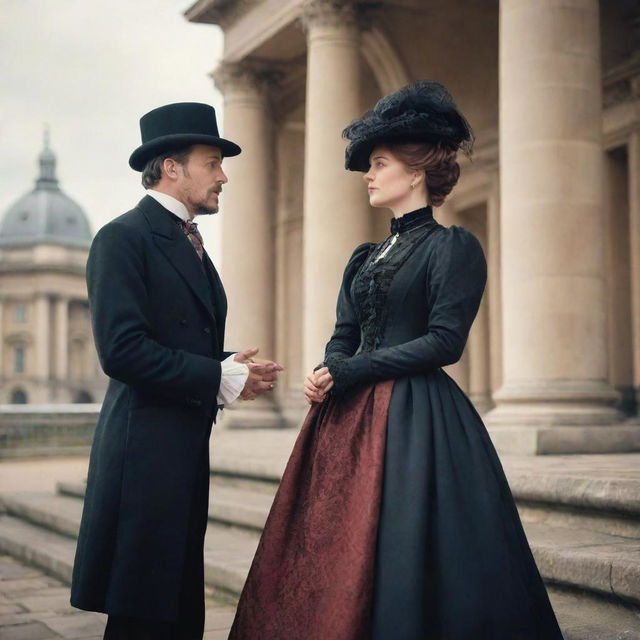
158 318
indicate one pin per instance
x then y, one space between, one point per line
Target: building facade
552 90
47 353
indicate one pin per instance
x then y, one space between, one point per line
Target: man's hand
317 385
246 355
262 377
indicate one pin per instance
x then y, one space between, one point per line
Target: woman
394 519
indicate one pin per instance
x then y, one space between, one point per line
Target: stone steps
229 505
583 524
580 558
228 553
41 529
585 617
38 546
577 497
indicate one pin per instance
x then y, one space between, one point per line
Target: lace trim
371 284
339 370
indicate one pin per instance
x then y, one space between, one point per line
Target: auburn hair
437 161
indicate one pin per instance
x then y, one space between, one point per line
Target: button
183 322
207 330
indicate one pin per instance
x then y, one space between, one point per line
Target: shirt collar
171 204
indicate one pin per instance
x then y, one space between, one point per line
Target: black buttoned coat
158 317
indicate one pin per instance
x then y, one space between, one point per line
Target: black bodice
371 284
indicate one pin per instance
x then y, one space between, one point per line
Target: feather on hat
422 111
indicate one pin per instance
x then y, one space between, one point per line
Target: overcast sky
90 70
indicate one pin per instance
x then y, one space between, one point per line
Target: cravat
191 231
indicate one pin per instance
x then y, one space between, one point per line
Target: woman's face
388 180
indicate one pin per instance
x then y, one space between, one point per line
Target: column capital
332 14
245 78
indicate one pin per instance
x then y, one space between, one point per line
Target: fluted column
494 290
634 235
247 209
61 323
336 216
42 337
552 230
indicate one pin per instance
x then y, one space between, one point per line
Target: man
158 312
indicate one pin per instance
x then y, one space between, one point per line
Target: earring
413 185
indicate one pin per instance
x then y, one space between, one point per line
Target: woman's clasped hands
318 385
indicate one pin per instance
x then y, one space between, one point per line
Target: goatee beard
206 211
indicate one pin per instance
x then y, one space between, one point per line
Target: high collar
171 204
412 220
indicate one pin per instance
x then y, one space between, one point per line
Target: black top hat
176 126
423 111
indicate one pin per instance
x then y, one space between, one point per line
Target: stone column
634 235
494 291
247 223
61 323
552 233
42 337
247 209
2 373
336 216
478 343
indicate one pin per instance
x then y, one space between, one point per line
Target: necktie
191 231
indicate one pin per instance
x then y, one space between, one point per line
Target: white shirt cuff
232 381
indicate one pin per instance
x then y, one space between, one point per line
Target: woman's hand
317 385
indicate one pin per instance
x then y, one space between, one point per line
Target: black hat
423 111
176 126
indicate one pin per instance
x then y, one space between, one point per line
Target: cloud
90 70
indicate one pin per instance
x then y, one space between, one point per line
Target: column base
482 402
293 407
261 413
559 417
519 440
555 402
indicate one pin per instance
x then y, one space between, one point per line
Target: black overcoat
158 317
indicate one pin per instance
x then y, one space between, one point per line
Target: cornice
219 12
622 82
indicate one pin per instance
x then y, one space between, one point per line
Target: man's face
200 180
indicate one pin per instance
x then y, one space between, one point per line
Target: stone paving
34 606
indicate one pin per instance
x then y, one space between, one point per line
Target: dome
45 214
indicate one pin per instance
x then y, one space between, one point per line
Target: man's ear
170 168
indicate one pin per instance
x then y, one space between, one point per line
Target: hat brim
357 153
157 146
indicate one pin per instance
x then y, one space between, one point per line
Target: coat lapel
177 249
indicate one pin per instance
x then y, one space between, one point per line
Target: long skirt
394 521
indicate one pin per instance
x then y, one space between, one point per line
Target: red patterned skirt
312 576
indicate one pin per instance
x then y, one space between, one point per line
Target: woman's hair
436 160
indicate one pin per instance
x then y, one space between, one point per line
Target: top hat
175 126
422 111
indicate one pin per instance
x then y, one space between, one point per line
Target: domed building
46 346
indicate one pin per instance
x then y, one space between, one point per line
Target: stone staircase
581 513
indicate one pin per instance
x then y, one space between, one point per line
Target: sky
89 70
